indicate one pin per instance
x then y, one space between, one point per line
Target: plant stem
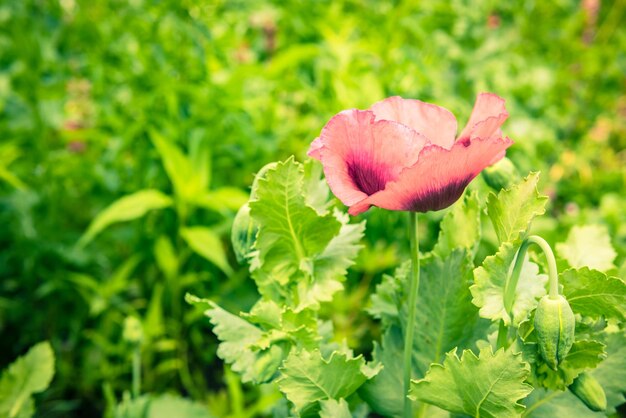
511 284
137 371
413 291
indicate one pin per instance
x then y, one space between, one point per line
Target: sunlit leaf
512 210
127 208
496 381
460 228
207 243
29 374
593 293
490 281
588 246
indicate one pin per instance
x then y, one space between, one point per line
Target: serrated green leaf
386 301
127 208
490 281
308 378
594 294
206 243
512 210
611 373
584 355
550 404
460 227
588 246
238 337
29 374
332 408
487 386
381 393
301 256
316 190
445 317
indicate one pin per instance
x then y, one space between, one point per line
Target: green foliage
592 293
207 243
163 406
301 256
127 208
588 246
26 376
512 210
497 382
308 378
490 281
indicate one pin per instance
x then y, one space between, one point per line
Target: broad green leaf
460 228
592 293
588 246
490 281
332 264
316 190
308 378
165 256
207 244
160 406
301 256
238 337
542 403
222 199
127 208
445 316
187 183
584 355
386 301
611 373
487 386
512 210
29 374
382 393
331 408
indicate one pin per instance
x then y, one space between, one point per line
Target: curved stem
511 285
413 291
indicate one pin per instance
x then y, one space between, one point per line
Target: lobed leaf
487 386
308 378
588 246
512 210
490 282
460 227
594 294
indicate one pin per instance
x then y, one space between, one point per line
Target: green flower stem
413 290
511 284
137 371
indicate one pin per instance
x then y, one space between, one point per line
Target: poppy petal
315 149
487 116
434 122
439 178
361 155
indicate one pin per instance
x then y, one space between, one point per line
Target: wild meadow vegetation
146 266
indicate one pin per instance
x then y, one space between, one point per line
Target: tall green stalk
511 284
413 291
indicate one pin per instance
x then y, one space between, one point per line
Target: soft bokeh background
94 93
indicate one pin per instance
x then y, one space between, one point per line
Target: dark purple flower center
439 197
367 176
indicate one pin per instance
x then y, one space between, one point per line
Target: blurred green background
185 99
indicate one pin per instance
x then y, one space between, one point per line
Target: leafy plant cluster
130 132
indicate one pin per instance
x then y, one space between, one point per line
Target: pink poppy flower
401 154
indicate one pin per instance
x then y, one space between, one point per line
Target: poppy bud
554 323
243 233
588 390
501 175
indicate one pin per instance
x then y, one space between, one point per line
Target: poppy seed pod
501 175
243 234
554 323
587 389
